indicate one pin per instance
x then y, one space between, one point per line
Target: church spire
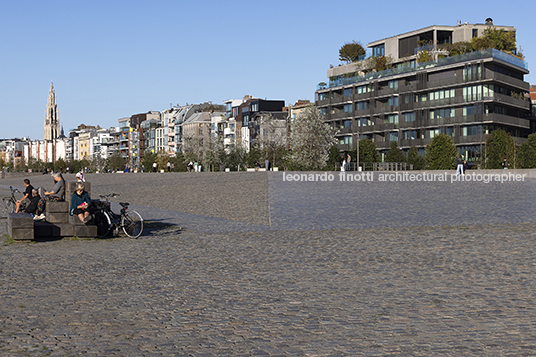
52 122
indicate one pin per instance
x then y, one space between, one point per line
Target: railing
490 52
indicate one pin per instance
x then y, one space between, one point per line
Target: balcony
491 52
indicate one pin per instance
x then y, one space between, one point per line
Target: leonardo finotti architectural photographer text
402 177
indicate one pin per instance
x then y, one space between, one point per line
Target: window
393 136
472 93
348 92
346 140
246 120
472 72
442 94
361 89
378 51
393 85
475 33
410 135
409 117
362 105
322 96
347 124
348 108
442 113
471 130
472 110
322 111
393 101
255 107
391 119
364 122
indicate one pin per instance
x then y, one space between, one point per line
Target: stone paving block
57 217
57 207
21 233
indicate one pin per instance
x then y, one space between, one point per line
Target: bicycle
108 221
9 203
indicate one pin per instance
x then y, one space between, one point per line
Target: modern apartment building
464 96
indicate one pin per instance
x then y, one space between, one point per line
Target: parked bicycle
107 221
9 203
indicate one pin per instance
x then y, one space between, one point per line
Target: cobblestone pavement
346 269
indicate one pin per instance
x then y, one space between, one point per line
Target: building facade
464 96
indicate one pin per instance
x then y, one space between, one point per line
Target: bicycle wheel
132 224
103 223
9 205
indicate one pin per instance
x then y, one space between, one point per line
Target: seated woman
34 201
80 203
56 194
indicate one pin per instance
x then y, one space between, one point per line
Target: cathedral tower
52 122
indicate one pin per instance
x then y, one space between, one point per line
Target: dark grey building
464 96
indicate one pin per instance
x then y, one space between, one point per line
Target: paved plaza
251 264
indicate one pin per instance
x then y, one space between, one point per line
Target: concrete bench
58 223
20 226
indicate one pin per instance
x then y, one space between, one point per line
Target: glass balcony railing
490 52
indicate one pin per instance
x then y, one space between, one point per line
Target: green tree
395 154
60 165
310 140
441 153
499 39
499 145
413 158
253 156
367 151
527 153
334 159
115 162
351 52
148 159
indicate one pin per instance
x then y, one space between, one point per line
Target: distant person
459 167
505 164
80 202
25 200
267 164
155 166
348 159
465 166
31 208
168 166
80 176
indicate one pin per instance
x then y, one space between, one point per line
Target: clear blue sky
111 59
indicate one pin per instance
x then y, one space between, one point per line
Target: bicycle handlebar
109 195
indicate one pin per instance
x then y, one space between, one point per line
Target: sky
112 59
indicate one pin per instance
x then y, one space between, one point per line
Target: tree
367 151
379 63
149 158
527 155
334 159
413 158
60 165
441 153
253 156
493 37
310 140
499 145
116 162
395 154
351 52
273 140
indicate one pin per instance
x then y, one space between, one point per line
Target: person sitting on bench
80 203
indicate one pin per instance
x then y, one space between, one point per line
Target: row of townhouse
195 127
